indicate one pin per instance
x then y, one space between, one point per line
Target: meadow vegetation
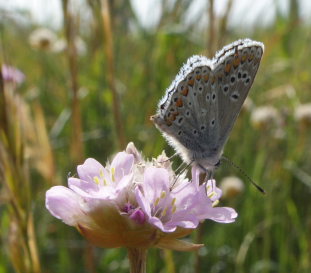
90 88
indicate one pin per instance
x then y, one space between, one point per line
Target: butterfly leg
206 174
169 158
182 170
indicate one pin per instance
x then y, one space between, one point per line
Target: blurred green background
91 85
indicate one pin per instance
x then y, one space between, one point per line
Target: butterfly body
199 109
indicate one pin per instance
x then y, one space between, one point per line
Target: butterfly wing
235 69
199 109
187 114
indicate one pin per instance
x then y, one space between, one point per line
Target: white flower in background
265 117
61 45
248 105
231 186
303 114
43 39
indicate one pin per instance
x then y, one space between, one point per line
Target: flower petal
158 223
142 202
184 220
81 186
222 215
131 149
90 169
122 163
156 180
63 204
212 191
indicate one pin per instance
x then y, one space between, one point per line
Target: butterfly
200 107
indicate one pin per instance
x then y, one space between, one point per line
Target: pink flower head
182 206
133 203
12 74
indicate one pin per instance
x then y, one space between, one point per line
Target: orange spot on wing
227 68
175 115
236 62
179 103
251 57
191 82
171 118
168 123
185 92
206 77
198 77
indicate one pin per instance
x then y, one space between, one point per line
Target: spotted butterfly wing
200 107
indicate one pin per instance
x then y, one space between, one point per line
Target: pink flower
136 203
182 206
12 74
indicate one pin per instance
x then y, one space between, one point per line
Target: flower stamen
96 180
212 194
163 194
101 173
113 171
164 212
215 203
157 201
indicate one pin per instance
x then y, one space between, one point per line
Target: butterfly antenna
244 173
